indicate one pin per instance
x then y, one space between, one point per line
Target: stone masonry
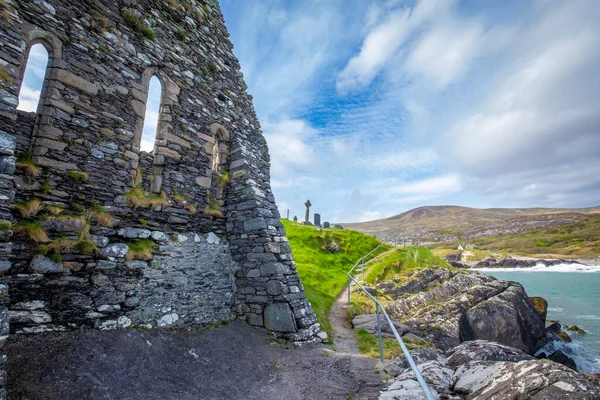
96 233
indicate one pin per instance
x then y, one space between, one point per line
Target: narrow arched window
33 78
151 117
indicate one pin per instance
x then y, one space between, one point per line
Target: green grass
579 239
369 345
323 274
396 264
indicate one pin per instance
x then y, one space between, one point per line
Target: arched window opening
219 148
151 117
33 79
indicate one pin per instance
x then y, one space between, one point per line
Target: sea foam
543 268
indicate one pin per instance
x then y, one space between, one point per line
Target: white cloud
386 38
542 112
379 46
289 142
445 52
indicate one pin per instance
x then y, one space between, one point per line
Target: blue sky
371 108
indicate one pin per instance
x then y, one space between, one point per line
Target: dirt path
344 342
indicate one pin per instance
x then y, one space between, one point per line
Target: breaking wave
543 268
585 361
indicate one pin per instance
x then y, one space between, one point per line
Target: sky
371 108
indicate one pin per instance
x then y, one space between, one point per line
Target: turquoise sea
573 295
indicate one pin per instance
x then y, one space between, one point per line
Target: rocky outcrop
509 262
541 306
451 307
487 370
483 350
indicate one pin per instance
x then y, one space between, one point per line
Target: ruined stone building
97 233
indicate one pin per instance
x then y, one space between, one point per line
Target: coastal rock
510 262
483 350
539 379
540 305
369 323
437 374
467 306
487 370
576 329
507 318
561 358
420 355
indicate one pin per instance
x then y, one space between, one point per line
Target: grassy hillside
577 240
323 273
396 264
433 223
393 265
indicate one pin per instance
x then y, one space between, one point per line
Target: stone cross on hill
307 204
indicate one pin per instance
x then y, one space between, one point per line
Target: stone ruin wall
84 145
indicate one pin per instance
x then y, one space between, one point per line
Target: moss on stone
34 231
180 34
100 215
149 33
213 209
29 209
138 197
140 250
133 21
5 76
78 176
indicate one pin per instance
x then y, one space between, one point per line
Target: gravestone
318 220
326 224
307 215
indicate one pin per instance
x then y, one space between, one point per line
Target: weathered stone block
42 265
204 181
117 250
134 233
255 224
269 269
51 163
30 317
255 319
275 287
278 317
78 82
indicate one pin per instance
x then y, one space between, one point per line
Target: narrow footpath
344 342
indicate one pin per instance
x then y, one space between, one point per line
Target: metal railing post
363 269
379 332
349 283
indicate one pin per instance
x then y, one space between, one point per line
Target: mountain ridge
450 222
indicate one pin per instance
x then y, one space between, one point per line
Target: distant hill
432 224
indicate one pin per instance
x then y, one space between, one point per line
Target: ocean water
573 295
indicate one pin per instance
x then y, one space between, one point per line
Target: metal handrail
378 307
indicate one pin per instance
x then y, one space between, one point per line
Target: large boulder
486 370
534 379
420 355
483 350
453 307
508 318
